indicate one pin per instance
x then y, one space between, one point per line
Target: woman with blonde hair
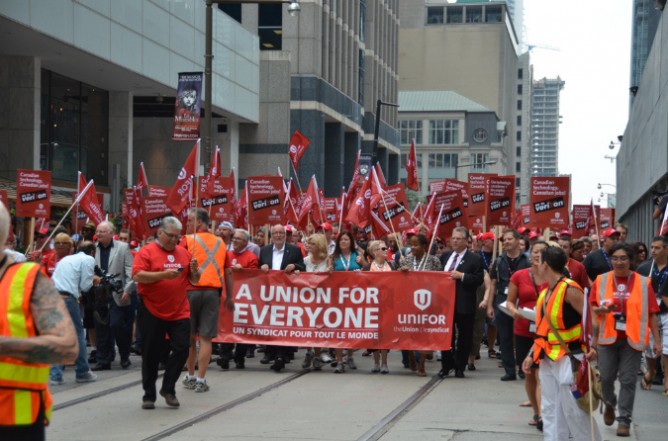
377 251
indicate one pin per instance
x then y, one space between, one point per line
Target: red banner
394 310
582 221
478 187
452 215
607 219
437 186
220 202
500 200
549 202
393 210
265 200
158 191
153 210
330 209
33 193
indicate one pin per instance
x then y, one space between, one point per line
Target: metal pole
374 153
208 59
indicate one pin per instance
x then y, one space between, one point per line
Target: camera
109 281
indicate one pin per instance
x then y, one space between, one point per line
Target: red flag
417 212
381 176
241 209
429 213
214 172
361 207
311 201
88 202
298 145
179 197
356 177
142 180
412 182
291 203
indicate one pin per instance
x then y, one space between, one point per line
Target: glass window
518 151
478 161
442 160
455 14
519 120
517 182
231 9
519 89
520 74
270 26
410 129
518 135
519 104
518 167
444 131
493 14
434 15
474 14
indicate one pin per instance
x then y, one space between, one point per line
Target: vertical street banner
452 215
392 209
220 203
478 187
500 200
187 107
582 221
549 198
153 210
607 219
265 200
33 193
392 310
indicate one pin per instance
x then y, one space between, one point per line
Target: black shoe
135 350
250 353
224 363
508 377
443 373
459 374
92 358
101 367
240 364
265 360
125 363
162 366
471 367
521 375
278 365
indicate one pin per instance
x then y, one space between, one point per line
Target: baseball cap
609 232
326 226
411 231
487 236
533 235
565 233
288 229
522 230
226 224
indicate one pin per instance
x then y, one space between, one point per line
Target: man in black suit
467 269
284 257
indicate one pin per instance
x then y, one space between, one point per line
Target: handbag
582 390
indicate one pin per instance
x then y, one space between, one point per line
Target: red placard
153 210
394 208
452 215
220 203
330 209
478 187
452 185
607 219
525 215
500 200
437 186
582 221
158 191
265 200
33 193
549 202
341 310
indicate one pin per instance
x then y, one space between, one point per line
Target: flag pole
343 201
436 224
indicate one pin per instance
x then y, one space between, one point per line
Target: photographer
118 313
72 276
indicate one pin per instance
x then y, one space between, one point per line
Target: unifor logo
293 149
422 299
182 173
170 258
364 169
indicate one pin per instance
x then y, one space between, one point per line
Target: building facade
545 120
645 22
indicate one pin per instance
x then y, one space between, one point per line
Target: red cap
288 229
522 230
412 231
565 233
134 243
533 235
327 226
609 232
487 236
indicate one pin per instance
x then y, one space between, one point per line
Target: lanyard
605 255
420 266
661 275
346 263
484 259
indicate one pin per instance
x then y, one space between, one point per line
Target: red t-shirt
49 262
247 259
165 299
526 296
578 273
651 297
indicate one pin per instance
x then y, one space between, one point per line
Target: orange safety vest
23 385
546 341
637 308
210 252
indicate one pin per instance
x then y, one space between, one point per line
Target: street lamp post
374 153
475 164
293 8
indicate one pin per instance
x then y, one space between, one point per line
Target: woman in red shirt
523 290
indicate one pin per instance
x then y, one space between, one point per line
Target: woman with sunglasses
316 262
377 251
640 250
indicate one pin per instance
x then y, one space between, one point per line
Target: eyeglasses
124 239
171 236
622 259
383 248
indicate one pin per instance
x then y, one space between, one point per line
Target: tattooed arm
57 339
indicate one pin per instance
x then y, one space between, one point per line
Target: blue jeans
81 364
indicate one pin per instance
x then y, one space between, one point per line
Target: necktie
454 262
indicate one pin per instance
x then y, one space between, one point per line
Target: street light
293 8
374 153
600 185
475 164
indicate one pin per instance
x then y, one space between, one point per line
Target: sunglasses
383 248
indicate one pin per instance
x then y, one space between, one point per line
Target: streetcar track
98 394
224 407
386 423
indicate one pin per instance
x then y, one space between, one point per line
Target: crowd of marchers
521 296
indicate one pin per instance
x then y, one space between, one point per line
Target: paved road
258 404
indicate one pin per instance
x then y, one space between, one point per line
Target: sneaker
189 383
58 382
325 357
201 386
376 369
88 377
308 359
351 363
317 364
339 368
170 399
146 404
384 369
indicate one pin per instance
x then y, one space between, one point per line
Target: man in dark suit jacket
467 269
284 257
